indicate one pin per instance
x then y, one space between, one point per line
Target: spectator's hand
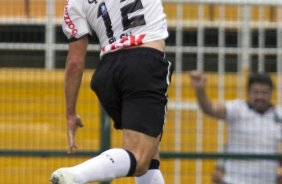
217 175
73 122
198 79
279 175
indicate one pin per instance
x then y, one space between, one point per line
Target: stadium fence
227 39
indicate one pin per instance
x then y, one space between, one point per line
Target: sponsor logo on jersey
68 20
132 40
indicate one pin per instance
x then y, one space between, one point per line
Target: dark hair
262 78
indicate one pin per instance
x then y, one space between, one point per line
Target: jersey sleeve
75 24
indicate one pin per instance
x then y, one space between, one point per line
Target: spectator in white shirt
254 127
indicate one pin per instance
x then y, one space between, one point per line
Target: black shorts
131 85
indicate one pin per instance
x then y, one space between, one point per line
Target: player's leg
133 159
112 163
144 110
154 174
139 148
142 146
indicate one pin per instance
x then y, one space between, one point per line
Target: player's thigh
102 84
144 87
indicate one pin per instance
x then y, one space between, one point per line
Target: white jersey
117 23
254 133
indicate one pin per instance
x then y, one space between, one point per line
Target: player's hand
73 122
198 79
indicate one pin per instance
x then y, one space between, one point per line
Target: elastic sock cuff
133 163
154 164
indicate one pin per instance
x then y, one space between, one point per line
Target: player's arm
215 109
73 73
73 76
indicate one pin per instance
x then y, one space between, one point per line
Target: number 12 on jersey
127 22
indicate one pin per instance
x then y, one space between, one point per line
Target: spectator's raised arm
214 109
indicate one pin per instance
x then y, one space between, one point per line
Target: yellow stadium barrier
37 9
32 118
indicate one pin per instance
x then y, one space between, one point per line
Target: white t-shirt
117 23
254 133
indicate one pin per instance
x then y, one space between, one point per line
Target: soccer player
254 127
131 82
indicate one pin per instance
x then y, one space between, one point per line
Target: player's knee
143 167
139 164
